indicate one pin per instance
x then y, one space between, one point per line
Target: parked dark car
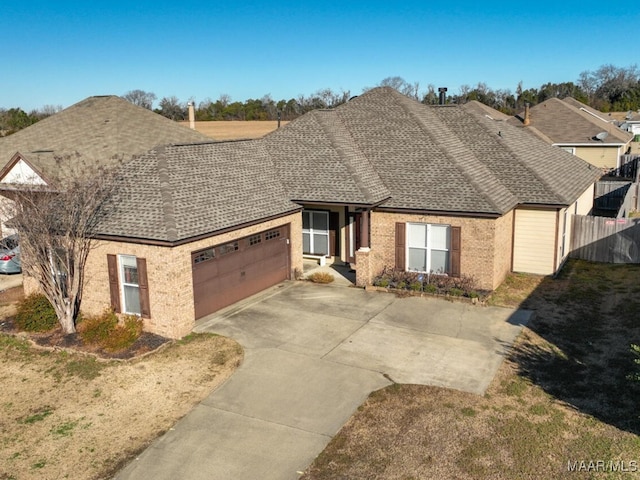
10 255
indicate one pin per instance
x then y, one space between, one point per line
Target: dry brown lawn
560 402
68 415
236 130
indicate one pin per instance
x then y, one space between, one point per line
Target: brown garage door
226 273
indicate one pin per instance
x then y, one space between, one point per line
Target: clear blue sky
58 52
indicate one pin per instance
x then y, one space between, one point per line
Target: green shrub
95 329
416 286
36 314
401 285
383 282
456 292
431 288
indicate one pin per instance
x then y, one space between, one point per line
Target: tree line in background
608 89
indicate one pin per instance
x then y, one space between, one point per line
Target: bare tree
224 99
171 107
401 85
57 224
140 98
463 93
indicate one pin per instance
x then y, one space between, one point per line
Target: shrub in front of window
95 329
108 333
36 314
429 283
430 288
124 334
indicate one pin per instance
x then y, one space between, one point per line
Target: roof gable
103 129
20 171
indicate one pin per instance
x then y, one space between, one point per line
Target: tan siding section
585 202
601 157
582 206
534 241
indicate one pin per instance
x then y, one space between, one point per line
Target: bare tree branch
57 225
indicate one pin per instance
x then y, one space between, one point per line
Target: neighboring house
101 130
381 181
578 129
631 123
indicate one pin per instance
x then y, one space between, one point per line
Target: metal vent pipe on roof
442 95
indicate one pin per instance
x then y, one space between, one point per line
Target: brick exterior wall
169 275
486 244
502 258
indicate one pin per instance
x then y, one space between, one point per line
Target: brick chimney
192 116
527 115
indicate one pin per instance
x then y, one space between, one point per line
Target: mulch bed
147 342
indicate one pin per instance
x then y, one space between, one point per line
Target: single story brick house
381 181
456 189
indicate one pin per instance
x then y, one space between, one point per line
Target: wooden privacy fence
628 167
630 201
602 239
609 194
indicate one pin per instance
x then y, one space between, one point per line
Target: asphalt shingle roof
570 122
436 158
177 192
380 148
101 129
319 161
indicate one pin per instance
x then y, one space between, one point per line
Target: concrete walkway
312 356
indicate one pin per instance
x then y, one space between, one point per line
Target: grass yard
70 416
560 407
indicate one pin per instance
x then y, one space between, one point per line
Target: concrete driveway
10 281
312 356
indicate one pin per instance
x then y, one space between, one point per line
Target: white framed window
315 232
129 284
428 247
